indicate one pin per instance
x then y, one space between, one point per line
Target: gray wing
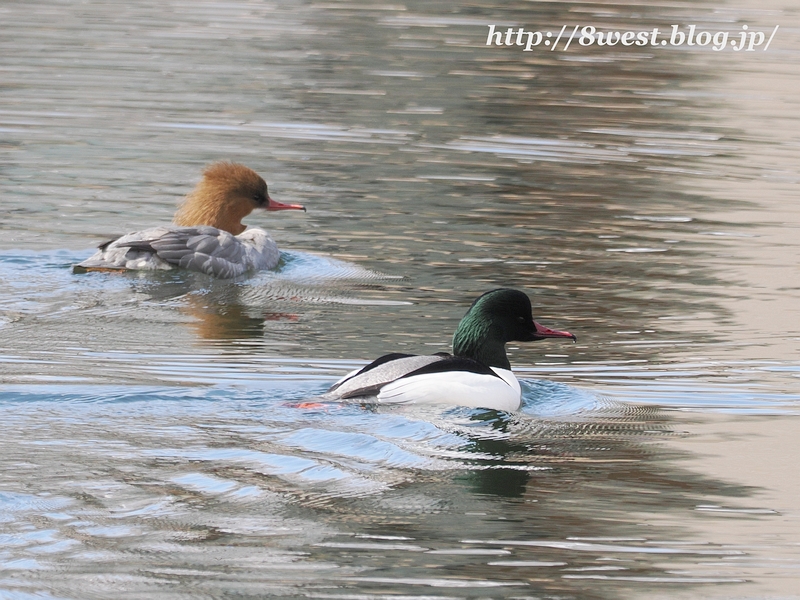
118 254
369 380
205 249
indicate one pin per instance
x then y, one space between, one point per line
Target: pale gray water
156 438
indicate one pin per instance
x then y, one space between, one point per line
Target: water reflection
366 501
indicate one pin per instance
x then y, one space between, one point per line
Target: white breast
262 252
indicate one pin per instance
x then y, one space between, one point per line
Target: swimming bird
207 235
477 374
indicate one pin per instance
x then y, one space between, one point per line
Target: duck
207 234
477 374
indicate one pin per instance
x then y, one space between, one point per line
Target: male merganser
208 234
478 373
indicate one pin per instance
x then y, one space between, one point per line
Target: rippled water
161 437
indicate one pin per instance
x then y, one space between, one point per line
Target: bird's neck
214 210
479 340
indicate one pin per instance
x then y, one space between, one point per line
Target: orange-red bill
275 205
543 332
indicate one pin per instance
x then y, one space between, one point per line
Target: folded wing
369 380
204 249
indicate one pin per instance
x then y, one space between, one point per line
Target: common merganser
208 234
477 374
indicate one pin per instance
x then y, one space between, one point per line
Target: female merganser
478 373
208 235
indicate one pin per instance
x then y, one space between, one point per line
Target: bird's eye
521 319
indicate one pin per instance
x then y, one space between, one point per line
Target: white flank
456 388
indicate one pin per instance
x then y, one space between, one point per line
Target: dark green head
497 317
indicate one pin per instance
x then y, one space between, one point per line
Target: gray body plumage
203 248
